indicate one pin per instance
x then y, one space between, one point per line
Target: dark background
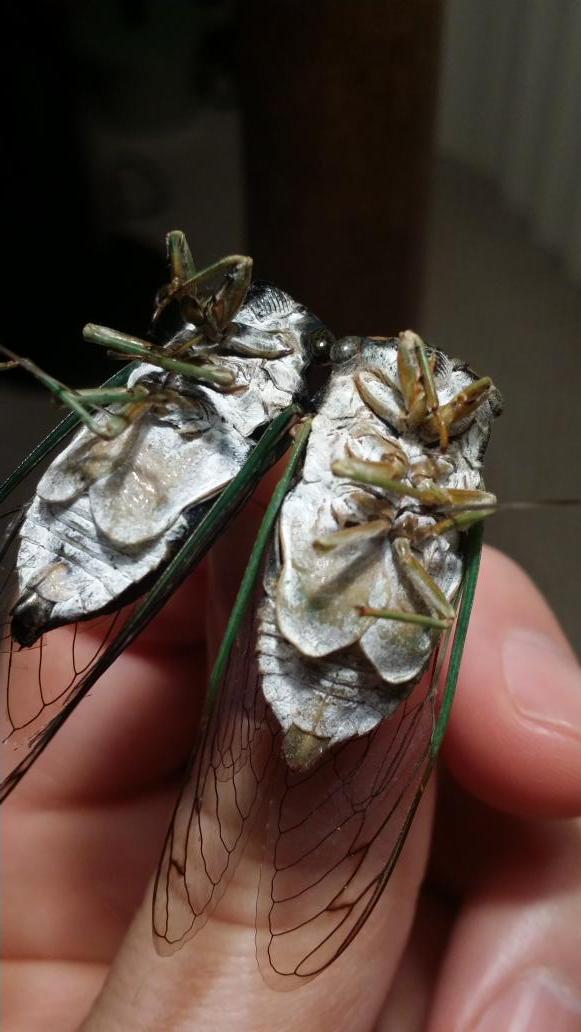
303 132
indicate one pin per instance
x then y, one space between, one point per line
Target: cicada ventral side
331 692
169 450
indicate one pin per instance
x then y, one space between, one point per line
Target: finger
408 1004
513 957
514 738
48 995
213 982
77 875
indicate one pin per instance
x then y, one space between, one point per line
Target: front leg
208 299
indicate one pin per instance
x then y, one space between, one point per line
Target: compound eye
344 349
319 344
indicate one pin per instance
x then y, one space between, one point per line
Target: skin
495 923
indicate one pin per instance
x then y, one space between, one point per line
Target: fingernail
539 1001
544 681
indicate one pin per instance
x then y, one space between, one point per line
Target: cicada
333 685
327 704
168 452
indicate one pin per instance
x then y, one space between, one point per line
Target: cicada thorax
368 558
111 510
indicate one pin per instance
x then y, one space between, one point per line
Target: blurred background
392 163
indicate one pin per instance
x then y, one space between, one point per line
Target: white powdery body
333 699
311 630
108 513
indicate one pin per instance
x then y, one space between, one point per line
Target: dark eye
344 349
319 343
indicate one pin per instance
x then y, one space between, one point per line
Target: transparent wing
37 683
335 833
41 685
333 836
230 766
223 792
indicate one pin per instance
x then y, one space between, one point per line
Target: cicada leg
442 611
404 617
179 255
416 378
377 391
422 409
418 387
182 268
352 535
462 520
250 343
425 585
108 425
216 376
379 474
208 299
460 407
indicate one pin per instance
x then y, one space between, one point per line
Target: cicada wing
335 832
41 685
38 683
231 764
226 784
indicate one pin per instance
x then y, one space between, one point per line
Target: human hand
481 921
